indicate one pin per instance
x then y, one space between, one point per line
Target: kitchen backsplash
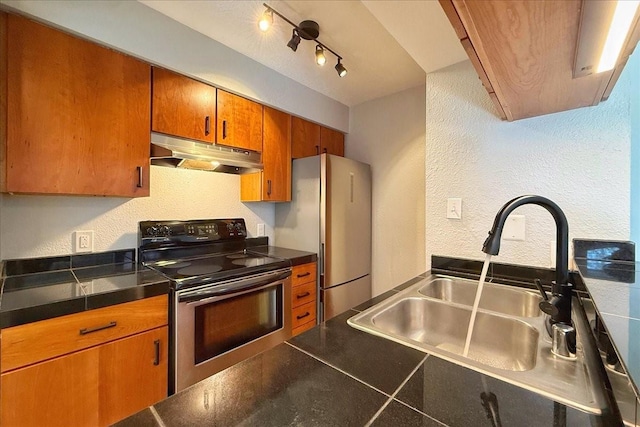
42 226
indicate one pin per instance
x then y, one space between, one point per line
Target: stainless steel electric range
227 302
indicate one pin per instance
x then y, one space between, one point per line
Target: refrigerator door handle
322 259
351 186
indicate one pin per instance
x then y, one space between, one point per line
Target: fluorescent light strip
620 24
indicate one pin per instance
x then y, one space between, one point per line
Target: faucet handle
545 305
538 284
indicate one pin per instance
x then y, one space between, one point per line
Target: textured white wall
34 226
579 159
135 28
389 134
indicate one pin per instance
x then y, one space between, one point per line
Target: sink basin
509 340
444 326
498 298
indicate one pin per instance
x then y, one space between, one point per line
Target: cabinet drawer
304 273
303 314
303 294
34 342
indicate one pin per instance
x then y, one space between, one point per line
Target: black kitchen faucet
559 306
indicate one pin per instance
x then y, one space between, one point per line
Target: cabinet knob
317 149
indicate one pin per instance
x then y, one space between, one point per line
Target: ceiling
386 46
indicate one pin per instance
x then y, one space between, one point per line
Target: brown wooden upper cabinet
239 122
305 138
182 106
331 141
523 52
75 115
310 139
273 184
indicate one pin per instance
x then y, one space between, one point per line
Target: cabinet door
78 115
59 392
239 122
276 156
305 138
182 106
331 141
133 374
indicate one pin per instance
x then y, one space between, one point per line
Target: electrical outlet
260 230
83 241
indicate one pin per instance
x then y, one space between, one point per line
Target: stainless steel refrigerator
330 214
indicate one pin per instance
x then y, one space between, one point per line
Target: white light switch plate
514 228
454 208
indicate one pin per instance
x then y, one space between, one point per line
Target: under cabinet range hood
188 154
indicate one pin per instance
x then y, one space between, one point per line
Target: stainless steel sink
498 298
508 343
445 327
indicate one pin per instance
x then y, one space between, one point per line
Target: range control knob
166 231
152 231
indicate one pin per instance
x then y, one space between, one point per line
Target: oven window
224 325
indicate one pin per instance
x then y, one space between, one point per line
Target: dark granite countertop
615 291
611 274
335 375
297 257
43 288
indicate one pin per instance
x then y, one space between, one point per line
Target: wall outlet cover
514 228
82 241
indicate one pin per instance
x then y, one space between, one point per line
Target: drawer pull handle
303 316
303 274
156 360
306 294
224 129
86 331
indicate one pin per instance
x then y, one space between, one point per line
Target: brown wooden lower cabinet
303 297
94 386
59 392
133 374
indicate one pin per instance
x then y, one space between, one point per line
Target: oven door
222 324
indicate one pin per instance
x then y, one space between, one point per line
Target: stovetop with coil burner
196 252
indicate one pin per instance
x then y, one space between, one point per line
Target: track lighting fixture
295 41
340 69
266 20
320 58
308 30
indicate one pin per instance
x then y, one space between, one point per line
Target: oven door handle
222 291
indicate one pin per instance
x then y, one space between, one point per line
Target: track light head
295 41
266 20
340 69
320 58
